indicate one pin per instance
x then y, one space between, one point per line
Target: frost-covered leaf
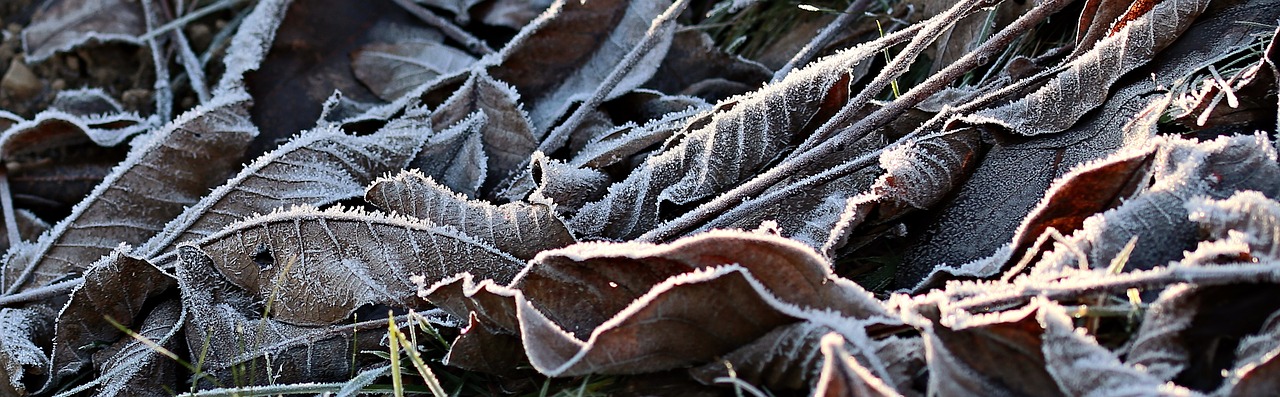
62 25
1158 347
391 70
170 168
92 117
119 287
321 265
988 354
521 229
765 282
455 157
130 367
1083 85
23 364
29 228
228 325
319 167
568 186
562 56
506 134
1249 213
752 130
843 374
695 66
1083 368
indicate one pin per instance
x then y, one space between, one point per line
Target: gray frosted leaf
62 25
319 167
322 265
1158 346
1249 213
239 340
561 57
752 130
23 363
250 45
568 186
165 171
1083 368
1084 84
623 142
521 229
130 367
118 287
507 135
455 157
391 70
843 374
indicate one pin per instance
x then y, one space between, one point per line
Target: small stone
14 28
58 85
73 64
200 35
19 81
136 98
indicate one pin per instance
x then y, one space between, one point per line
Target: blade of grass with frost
411 349
358 383
803 160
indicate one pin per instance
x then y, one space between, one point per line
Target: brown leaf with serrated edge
776 281
226 323
65 24
455 156
118 287
141 193
521 229
23 363
561 57
132 367
322 265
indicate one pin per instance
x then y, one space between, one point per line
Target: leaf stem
473 44
10 217
811 49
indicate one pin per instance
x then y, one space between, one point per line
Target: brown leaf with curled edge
569 187
775 281
843 374
521 229
131 367
628 140
172 168
392 70
322 265
480 348
1257 370
507 134
561 57
455 157
118 287
1096 21
987 354
62 25
23 363
1084 84
753 131
227 324
1083 368
318 167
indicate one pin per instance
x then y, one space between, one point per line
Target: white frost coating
59 28
1086 80
17 351
250 44
91 126
394 69
455 157
1247 217
521 229
1083 368
319 167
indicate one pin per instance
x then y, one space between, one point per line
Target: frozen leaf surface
23 363
141 193
65 24
506 136
391 70
322 265
521 229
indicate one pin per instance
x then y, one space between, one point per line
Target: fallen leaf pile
979 197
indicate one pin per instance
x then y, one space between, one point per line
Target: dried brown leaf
62 25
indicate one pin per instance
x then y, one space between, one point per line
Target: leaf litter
614 199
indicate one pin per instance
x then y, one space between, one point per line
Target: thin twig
41 293
6 200
473 44
657 28
163 92
811 49
828 148
153 32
